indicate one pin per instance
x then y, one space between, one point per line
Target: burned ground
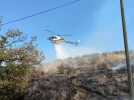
97 81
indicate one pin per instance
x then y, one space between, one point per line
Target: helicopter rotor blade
66 35
49 31
54 33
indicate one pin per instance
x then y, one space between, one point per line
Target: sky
96 23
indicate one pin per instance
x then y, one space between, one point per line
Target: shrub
17 57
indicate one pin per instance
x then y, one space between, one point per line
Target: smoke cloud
79 51
65 51
60 53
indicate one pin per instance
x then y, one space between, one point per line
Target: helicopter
59 39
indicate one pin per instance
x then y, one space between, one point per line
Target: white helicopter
59 39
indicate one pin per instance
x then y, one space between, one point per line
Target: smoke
65 51
73 51
60 53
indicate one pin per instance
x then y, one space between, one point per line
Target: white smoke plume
60 53
64 51
73 51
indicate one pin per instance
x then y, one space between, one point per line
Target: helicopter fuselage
56 39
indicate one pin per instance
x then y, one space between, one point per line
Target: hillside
90 77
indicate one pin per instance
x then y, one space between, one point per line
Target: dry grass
83 78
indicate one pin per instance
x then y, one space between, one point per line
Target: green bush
17 58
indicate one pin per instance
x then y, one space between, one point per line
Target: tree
17 58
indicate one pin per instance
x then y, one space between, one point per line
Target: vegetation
17 58
88 77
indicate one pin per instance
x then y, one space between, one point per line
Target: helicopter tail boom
76 43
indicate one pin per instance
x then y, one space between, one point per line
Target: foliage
17 58
75 80
65 70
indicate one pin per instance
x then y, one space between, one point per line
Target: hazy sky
96 23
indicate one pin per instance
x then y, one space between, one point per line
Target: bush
17 57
